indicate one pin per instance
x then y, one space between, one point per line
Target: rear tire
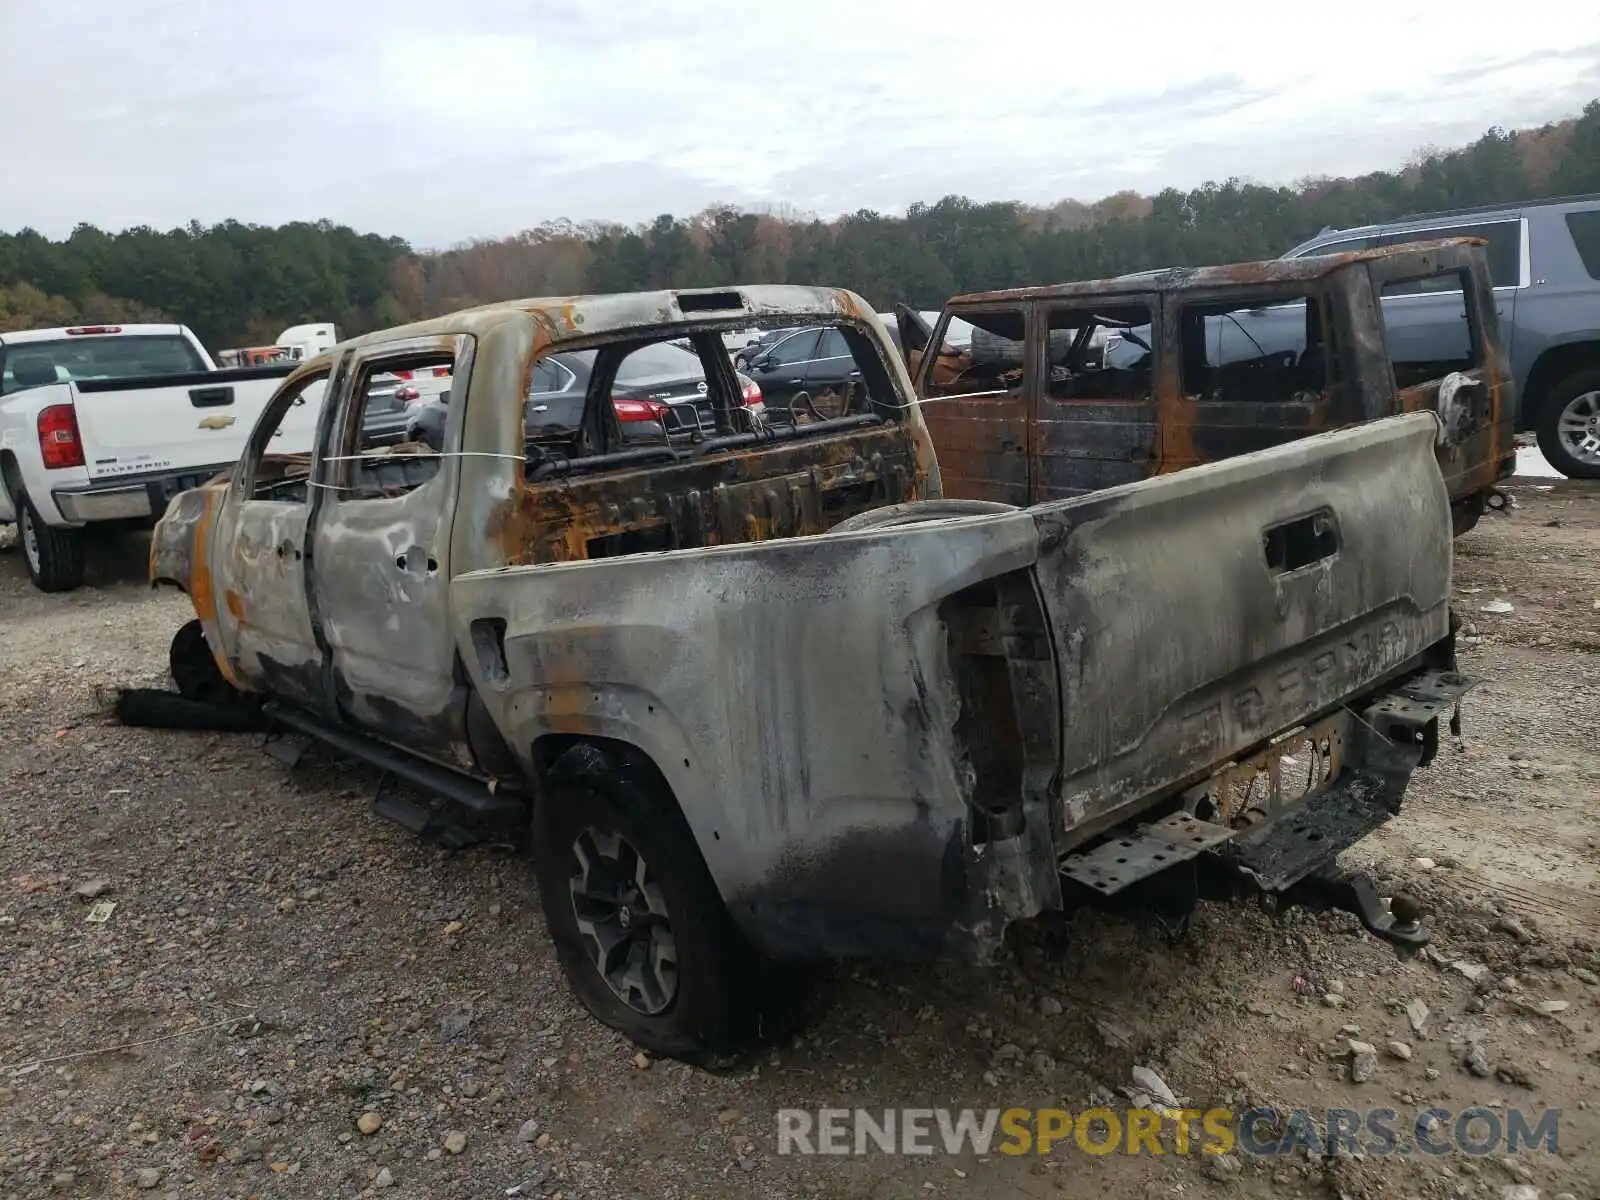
598 830
1568 425
194 668
54 556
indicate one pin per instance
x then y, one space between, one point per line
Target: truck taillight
402 374
441 372
59 443
638 410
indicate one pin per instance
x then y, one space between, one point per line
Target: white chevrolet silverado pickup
103 424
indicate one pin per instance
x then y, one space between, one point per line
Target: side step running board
427 821
497 806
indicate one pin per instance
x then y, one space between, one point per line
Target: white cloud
482 117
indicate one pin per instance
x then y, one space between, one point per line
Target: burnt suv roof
1174 279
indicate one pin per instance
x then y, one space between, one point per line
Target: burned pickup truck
755 692
1039 393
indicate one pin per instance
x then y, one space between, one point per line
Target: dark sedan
757 346
659 389
813 362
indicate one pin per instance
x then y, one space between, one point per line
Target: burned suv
1056 391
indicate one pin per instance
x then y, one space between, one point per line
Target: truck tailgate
1200 613
178 421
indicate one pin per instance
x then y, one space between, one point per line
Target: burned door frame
1195 431
984 418
379 577
1103 442
1479 428
258 566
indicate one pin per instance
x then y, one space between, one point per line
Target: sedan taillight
638 410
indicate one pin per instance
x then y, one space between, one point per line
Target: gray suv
1544 261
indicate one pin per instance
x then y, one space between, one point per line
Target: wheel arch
566 757
11 480
562 757
1548 370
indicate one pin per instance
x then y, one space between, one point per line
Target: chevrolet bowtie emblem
217 422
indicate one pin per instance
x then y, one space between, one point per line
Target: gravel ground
293 998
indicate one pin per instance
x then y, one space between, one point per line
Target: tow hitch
1352 891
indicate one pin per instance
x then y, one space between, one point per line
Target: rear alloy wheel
1569 425
54 557
641 931
623 921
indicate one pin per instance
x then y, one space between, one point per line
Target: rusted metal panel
1487 453
769 488
377 584
1085 445
180 557
565 318
983 446
1147 633
788 490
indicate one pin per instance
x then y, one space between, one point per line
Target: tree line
239 284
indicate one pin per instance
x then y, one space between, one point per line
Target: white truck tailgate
178 422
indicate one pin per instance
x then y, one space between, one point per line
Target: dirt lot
290 962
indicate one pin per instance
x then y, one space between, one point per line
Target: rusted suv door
1424 351
1095 402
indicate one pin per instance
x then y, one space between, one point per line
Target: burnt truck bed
897 740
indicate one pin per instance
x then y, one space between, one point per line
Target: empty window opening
386 454
284 441
1103 353
1260 351
986 361
1428 327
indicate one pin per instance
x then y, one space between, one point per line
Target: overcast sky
444 121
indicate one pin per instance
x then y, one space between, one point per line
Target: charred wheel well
1553 366
565 758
